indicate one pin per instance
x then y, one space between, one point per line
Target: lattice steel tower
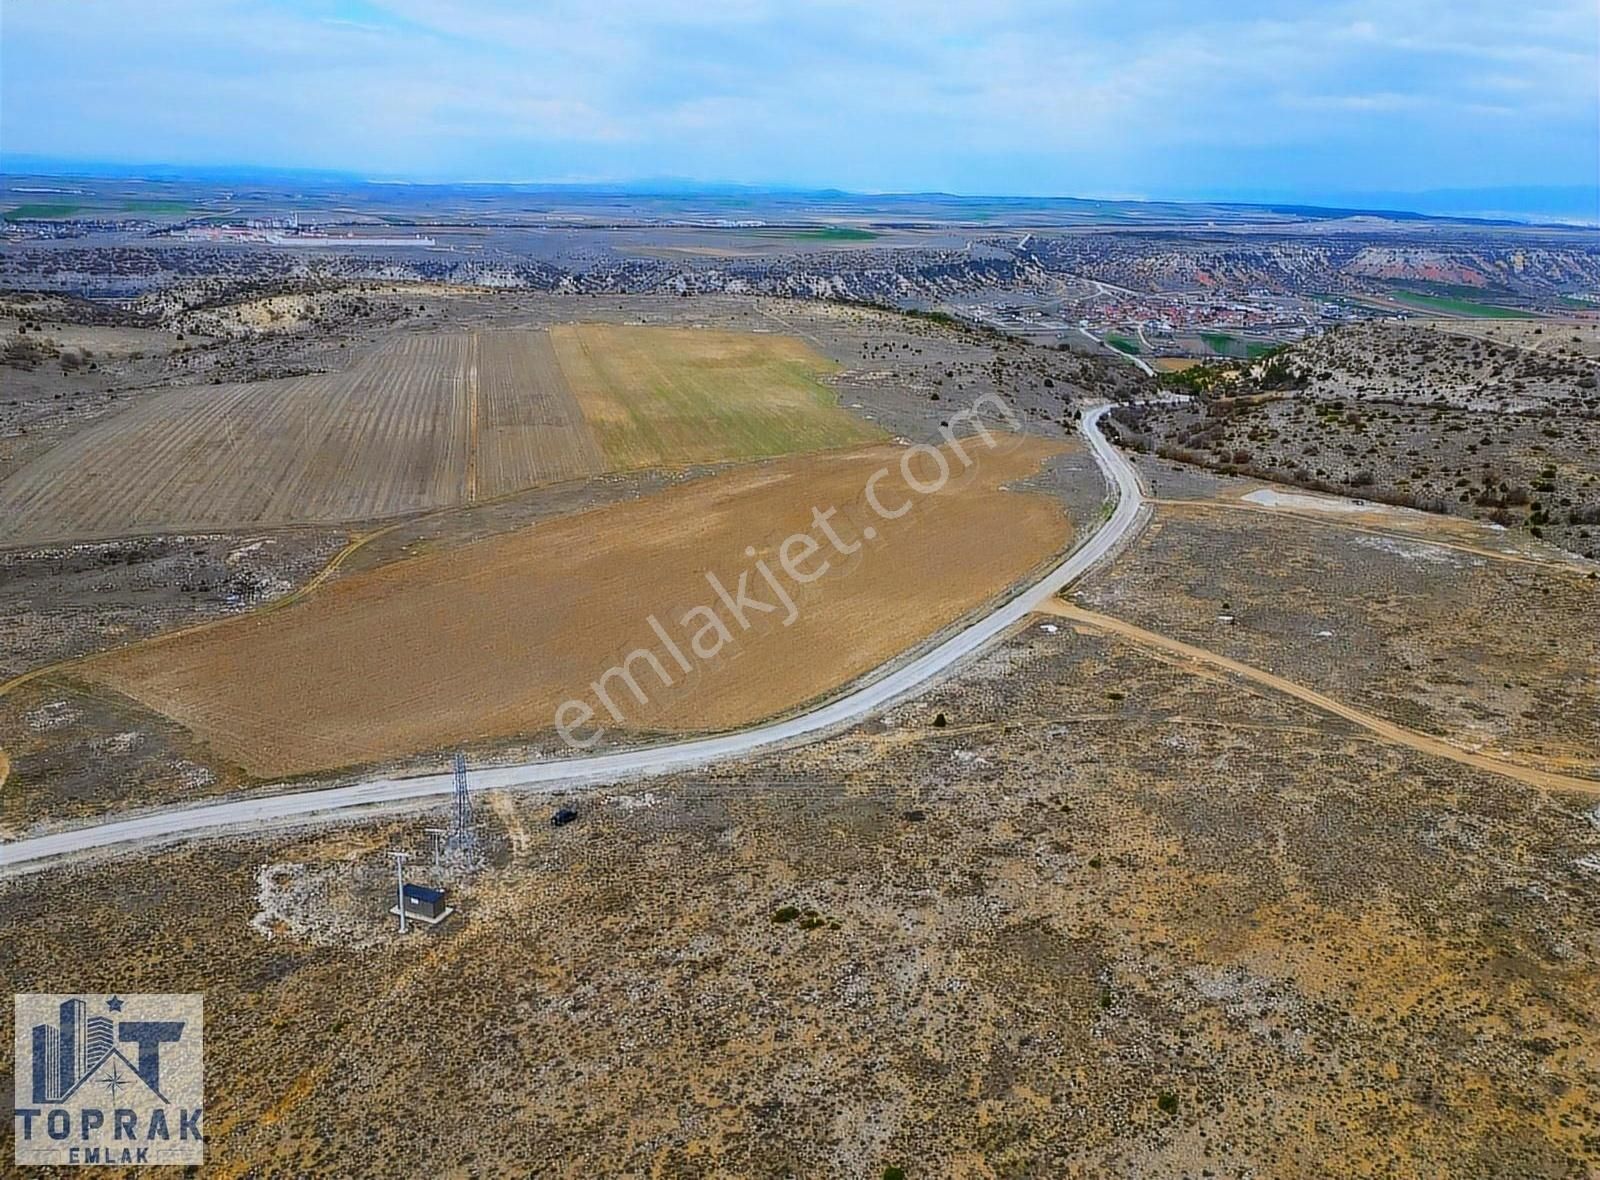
461 840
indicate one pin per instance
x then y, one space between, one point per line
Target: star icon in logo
114 1081
114 1004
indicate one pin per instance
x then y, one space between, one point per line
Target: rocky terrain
1426 416
1523 262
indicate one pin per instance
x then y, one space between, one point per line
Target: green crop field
176 208
672 396
1232 346
1451 306
40 212
820 233
1123 343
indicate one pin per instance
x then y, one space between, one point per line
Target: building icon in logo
68 1055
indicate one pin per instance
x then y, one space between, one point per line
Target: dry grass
677 395
1493 654
1035 922
486 640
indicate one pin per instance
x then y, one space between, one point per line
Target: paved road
254 814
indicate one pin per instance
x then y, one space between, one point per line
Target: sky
1110 98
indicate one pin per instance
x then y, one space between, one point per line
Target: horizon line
33 164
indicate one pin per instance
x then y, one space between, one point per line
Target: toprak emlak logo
109 1079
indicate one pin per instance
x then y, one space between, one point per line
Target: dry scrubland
1112 919
1574 337
1497 427
77 753
1505 365
1117 915
1492 654
59 602
485 641
427 421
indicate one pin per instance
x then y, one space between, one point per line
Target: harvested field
428 421
676 395
528 428
487 640
385 437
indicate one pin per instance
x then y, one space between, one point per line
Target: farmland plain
426 421
675 395
525 428
384 437
486 640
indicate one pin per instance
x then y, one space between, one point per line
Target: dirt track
1385 730
1363 524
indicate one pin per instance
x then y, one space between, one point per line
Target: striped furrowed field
529 428
385 437
428 421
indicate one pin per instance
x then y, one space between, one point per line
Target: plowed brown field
382 438
486 640
387 436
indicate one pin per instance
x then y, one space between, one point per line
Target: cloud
1139 95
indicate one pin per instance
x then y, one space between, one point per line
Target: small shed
425 903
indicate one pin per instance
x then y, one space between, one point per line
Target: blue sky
1157 98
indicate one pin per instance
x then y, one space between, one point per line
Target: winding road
266 811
